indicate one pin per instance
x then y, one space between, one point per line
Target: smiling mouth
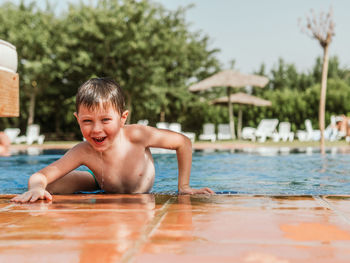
99 139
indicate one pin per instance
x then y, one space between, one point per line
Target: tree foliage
146 48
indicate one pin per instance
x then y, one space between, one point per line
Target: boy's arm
184 159
38 181
36 190
159 138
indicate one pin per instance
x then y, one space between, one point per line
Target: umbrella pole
230 113
239 126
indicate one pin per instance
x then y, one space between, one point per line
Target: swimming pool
224 172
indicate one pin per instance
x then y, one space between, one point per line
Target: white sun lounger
224 132
284 132
208 132
32 135
12 133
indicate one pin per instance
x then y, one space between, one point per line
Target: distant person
342 125
117 155
4 144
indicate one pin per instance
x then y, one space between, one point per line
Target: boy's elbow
185 142
188 141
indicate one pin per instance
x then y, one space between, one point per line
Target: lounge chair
248 133
283 133
32 135
208 132
309 134
12 133
162 125
142 122
224 132
176 127
265 129
314 135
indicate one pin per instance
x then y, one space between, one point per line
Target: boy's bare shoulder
136 132
82 148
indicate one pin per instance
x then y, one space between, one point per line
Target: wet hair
100 90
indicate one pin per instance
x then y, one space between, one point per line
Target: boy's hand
32 196
191 191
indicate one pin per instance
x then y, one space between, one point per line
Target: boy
118 155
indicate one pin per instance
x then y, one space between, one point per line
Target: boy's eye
106 119
86 121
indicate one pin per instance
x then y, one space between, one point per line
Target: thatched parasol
230 79
242 98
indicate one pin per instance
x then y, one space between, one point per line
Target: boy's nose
97 127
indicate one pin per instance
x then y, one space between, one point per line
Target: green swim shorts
97 185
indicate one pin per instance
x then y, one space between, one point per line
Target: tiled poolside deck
161 228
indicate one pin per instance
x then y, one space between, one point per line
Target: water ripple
224 172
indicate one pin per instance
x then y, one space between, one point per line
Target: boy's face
101 125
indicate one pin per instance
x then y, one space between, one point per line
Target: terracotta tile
5 198
251 221
4 201
256 253
62 251
341 203
237 202
239 216
108 228
88 202
73 225
38 231
324 232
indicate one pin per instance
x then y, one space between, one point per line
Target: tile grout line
322 201
130 254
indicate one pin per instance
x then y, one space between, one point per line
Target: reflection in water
175 226
119 230
310 231
101 228
96 229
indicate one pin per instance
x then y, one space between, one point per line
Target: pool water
224 172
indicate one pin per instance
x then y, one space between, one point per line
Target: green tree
32 32
148 49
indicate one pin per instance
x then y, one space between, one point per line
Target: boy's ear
76 115
124 116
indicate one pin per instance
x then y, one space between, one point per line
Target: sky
253 32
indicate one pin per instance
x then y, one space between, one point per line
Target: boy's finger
48 196
209 190
25 197
15 199
206 190
34 198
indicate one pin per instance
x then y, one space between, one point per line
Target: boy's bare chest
124 171
119 163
